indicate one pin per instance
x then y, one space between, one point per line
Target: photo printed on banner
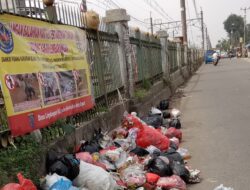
50 88
24 91
67 84
81 82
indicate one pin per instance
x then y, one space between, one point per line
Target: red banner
24 123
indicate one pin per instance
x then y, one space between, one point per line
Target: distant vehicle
209 56
224 55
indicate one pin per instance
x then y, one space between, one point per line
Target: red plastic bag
85 156
26 184
12 186
172 182
152 178
131 121
173 132
149 136
175 141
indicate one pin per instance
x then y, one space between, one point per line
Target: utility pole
207 39
184 21
245 22
151 24
202 31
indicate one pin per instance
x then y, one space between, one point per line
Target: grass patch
25 159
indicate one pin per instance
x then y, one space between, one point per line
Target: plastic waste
140 151
120 133
121 162
180 170
85 156
133 176
184 153
173 132
175 141
67 166
221 187
63 185
153 120
155 111
175 113
93 145
24 184
160 166
50 180
172 182
194 176
166 115
176 123
173 155
164 104
94 178
152 178
148 136
153 150
12 186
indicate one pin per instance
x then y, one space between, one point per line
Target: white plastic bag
94 178
175 113
155 111
221 187
133 176
50 180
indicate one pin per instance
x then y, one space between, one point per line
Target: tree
223 44
234 26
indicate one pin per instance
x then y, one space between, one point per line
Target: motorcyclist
215 58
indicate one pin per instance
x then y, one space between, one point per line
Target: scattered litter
172 182
175 113
184 153
221 187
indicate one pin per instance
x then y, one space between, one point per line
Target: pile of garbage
143 153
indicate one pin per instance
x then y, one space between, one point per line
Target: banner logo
6 40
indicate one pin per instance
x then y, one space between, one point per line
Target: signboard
241 40
44 72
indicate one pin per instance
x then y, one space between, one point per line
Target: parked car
209 56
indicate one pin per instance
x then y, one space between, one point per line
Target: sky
215 13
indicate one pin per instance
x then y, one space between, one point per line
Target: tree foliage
234 26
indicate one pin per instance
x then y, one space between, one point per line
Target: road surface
216 124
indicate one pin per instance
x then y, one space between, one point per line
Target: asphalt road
216 124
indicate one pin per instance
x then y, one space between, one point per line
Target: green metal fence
182 54
172 49
147 58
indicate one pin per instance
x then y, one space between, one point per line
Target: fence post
51 14
163 35
118 18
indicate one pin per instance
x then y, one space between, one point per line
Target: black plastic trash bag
66 165
175 123
90 147
160 166
173 145
166 115
93 145
164 105
180 170
140 151
173 156
153 120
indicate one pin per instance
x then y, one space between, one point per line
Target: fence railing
146 53
172 49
